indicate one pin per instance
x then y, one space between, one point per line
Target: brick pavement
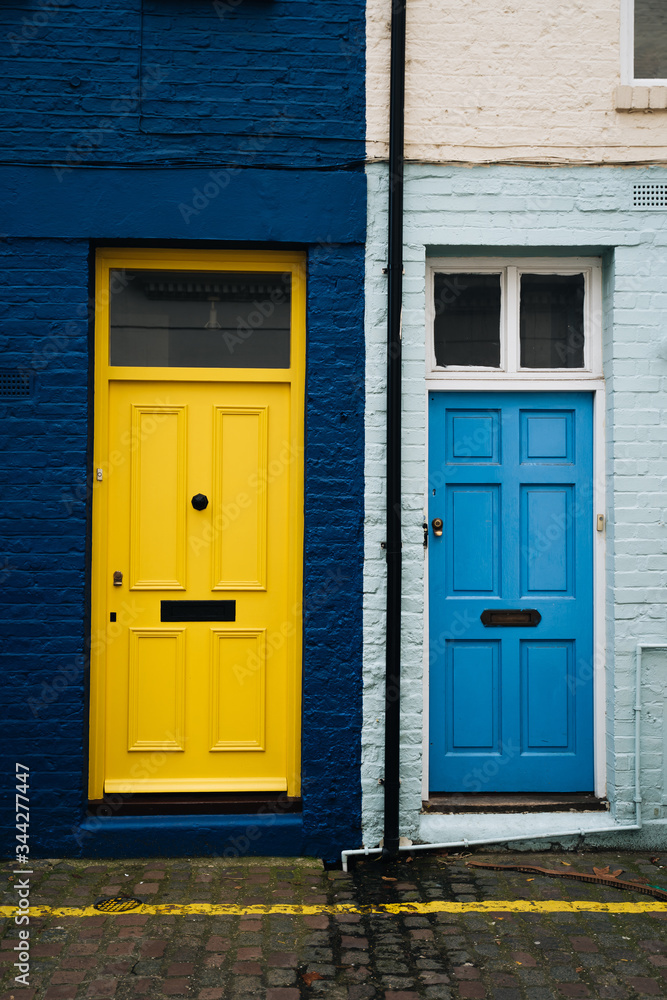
343 956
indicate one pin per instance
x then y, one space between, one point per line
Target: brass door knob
437 525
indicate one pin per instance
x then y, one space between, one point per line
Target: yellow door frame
291 262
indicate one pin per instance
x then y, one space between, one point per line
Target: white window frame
628 50
511 269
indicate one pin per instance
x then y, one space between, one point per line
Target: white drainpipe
637 825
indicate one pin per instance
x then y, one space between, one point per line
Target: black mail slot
507 617
197 611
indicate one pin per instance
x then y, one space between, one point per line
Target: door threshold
513 802
195 803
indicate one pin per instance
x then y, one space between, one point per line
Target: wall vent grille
649 196
15 384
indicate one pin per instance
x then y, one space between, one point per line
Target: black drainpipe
393 544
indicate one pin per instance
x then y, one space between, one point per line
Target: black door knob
199 501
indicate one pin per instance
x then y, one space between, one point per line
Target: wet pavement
343 947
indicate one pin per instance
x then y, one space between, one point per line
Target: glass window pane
200 319
650 39
467 319
552 321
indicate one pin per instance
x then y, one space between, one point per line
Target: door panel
156 663
547 678
199 705
511 707
472 532
158 552
473 694
241 475
547 540
238 689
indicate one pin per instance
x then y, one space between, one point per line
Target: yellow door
197 549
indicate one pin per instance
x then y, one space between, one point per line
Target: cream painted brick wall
509 80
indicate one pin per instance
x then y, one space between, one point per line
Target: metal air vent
15 384
649 196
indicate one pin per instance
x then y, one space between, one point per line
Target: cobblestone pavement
336 955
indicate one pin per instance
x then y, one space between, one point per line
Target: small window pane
552 321
199 319
467 319
650 39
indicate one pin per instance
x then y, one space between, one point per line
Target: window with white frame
516 317
644 42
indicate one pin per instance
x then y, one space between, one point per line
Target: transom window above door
520 317
199 319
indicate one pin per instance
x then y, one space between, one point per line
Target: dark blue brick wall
225 122
333 550
243 81
44 556
44 330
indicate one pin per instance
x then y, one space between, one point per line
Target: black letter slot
506 617
197 611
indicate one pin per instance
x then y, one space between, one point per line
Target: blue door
511 591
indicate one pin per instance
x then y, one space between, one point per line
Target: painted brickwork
44 457
493 82
227 99
45 578
333 555
241 81
517 210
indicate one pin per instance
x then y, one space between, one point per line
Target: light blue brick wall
542 211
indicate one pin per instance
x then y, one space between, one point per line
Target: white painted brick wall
527 80
574 209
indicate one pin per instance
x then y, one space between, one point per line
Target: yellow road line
438 906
